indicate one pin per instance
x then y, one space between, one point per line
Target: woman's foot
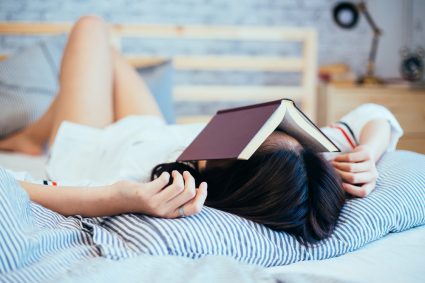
21 142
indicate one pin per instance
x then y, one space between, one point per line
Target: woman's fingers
177 179
189 181
357 178
355 156
173 190
359 191
159 183
195 205
352 167
188 193
181 193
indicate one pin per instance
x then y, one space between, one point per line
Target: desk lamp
346 16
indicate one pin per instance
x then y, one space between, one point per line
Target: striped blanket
37 244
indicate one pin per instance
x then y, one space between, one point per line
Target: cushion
159 79
29 82
44 247
397 204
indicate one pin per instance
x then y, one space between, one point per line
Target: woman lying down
105 129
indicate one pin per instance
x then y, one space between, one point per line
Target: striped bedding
38 244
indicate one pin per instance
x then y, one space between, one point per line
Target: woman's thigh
85 94
131 95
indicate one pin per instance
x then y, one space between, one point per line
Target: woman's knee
90 25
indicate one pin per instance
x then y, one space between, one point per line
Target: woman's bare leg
85 94
131 96
97 87
31 140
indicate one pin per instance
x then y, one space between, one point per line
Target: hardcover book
237 133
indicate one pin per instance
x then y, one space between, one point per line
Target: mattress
35 165
397 257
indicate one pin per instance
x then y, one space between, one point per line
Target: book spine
276 102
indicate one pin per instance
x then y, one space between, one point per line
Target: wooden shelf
406 103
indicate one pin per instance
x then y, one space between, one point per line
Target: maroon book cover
229 132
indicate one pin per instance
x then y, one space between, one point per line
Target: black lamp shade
346 15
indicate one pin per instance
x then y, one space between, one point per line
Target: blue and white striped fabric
34 240
37 244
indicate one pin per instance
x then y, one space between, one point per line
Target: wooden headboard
306 63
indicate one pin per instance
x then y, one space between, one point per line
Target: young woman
106 133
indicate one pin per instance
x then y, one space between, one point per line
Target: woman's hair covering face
293 191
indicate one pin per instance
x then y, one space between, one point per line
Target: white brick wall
335 44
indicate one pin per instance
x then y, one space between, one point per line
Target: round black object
412 67
346 15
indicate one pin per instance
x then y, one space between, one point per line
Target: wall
335 44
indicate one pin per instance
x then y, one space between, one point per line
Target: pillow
397 204
29 232
29 82
159 79
36 249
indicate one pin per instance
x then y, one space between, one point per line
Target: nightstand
406 103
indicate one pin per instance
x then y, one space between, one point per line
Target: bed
397 257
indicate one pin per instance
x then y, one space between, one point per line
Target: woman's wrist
370 149
101 201
375 136
121 194
117 197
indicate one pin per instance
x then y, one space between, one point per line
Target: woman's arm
375 136
154 198
358 168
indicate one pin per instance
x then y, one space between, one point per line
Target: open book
237 133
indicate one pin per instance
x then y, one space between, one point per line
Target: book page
296 125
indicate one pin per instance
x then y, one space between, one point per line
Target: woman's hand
357 170
157 199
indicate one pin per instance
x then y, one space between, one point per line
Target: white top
131 147
127 149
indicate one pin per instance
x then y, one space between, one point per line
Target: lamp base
370 80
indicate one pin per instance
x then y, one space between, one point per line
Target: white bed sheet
398 257
35 165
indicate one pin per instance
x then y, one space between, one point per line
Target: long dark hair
286 190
